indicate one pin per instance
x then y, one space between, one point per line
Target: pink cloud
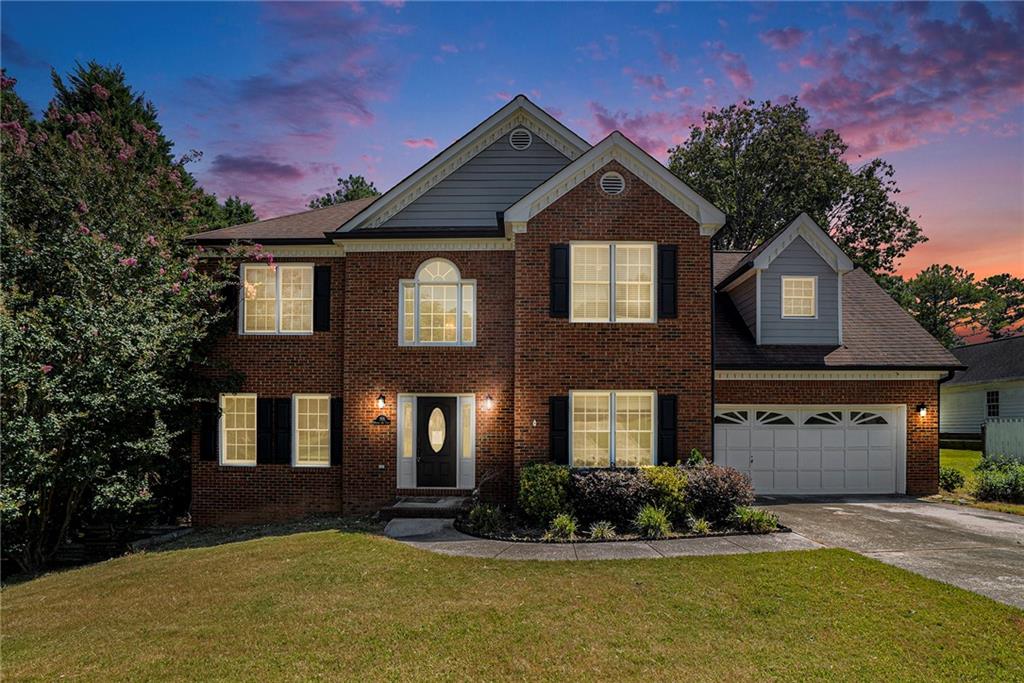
653 131
734 66
418 143
657 86
663 8
601 50
254 167
502 95
449 48
783 38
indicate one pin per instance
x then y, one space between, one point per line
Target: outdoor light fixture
488 402
922 409
381 401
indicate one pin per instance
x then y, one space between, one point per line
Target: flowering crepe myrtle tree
105 314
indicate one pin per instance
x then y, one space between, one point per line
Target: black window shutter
264 430
667 268
208 431
282 431
559 280
321 298
558 418
667 417
335 430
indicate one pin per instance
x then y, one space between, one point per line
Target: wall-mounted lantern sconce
381 401
488 402
922 409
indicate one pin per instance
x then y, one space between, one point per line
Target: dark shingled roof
990 361
305 227
877 333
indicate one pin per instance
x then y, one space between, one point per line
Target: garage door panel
737 438
880 460
739 460
786 460
762 460
833 459
809 438
763 479
832 480
856 459
762 438
786 438
856 438
857 480
832 438
786 480
809 480
809 460
881 437
880 480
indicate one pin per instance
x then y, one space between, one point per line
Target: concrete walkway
439 536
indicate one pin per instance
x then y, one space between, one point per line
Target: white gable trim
520 112
616 147
804 227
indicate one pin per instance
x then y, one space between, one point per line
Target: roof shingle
992 361
306 226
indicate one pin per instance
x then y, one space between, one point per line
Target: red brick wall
374 363
922 433
554 356
276 367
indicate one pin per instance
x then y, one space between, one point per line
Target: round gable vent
520 139
613 183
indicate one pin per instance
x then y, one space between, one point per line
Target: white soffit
817 238
616 147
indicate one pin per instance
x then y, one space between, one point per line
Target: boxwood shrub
668 486
613 495
714 492
543 491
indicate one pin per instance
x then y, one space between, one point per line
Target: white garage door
814 449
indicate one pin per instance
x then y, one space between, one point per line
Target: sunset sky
282 99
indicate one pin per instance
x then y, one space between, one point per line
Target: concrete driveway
978 550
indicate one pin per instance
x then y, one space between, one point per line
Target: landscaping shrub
700 526
615 495
562 527
543 491
1005 485
695 459
668 486
950 478
755 521
714 492
652 522
601 531
486 519
996 461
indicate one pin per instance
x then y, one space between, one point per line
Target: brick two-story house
525 296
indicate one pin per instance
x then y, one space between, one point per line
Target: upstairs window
277 300
992 403
799 297
438 308
612 282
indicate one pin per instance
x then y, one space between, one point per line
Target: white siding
964 409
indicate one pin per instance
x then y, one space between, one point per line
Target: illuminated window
438 307
799 297
238 429
600 441
605 274
277 300
312 430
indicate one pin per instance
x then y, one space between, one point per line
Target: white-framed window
799 297
238 429
438 307
311 420
612 282
992 403
278 299
612 428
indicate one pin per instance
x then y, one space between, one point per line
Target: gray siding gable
799 258
744 296
492 181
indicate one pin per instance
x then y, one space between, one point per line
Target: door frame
899 409
405 463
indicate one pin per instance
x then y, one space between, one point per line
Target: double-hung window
312 420
612 428
992 403
799 297
277 299
238 429
612 282
438 307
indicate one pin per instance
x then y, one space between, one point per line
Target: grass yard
345 604
965 461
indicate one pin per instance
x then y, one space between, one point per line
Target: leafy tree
234 211
349 189
104 316
1002 311
943 299
763 165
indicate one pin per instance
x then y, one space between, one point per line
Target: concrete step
418 507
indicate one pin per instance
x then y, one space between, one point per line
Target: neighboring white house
991 386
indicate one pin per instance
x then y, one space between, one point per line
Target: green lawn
965 461
344 604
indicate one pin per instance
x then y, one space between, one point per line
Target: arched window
438 307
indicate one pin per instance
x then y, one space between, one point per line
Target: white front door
803 449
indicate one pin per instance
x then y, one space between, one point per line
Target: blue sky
283 98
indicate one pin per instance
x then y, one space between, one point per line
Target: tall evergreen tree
349 189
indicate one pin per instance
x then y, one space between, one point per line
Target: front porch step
438 507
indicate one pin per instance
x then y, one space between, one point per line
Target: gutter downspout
938 406
711 289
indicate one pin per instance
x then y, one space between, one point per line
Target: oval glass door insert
435 429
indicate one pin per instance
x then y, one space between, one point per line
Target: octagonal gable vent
613 183
520 139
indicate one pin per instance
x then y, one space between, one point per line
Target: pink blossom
130 261
76 141
150 136
45 369
7 82
175 178
176 288
184 274
200 249
83 229
53 114
118 248
151 240
18 132
41 138
100 91
82 206
100 236
126 152
163 271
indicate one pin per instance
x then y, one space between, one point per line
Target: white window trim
782 296
277 300
415 284
222 431
295 431
611 281
612 394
